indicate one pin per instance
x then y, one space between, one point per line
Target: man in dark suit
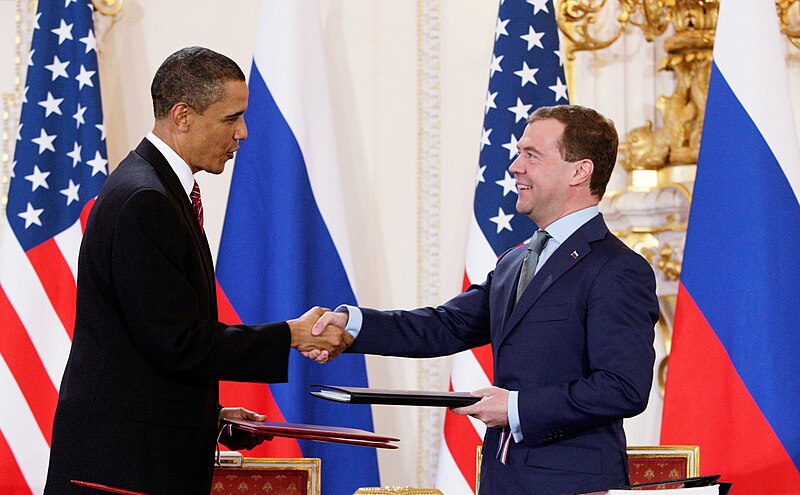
138 404
572 341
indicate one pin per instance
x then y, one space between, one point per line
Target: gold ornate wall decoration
688 48
789 17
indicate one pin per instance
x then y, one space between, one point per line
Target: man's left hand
492 409
240 440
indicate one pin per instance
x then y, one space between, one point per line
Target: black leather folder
697 481
360 395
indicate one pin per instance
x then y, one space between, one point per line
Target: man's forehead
541 130
235 98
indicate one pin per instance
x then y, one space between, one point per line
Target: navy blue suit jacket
578 347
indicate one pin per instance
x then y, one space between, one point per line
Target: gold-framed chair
663 462
646 463
239 475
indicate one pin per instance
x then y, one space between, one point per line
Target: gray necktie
535 248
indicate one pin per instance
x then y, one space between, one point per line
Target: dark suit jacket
138 401
578 347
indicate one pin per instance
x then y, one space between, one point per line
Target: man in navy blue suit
573 347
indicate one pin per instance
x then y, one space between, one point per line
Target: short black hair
195 76
587 134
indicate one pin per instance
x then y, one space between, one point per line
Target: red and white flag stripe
471 370
37 310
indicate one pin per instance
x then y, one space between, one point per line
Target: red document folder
318 433
106 488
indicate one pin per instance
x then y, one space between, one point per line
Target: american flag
526 73
59 166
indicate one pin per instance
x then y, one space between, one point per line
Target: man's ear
181 116
582 173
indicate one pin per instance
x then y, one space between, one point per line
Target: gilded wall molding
429 208
24 22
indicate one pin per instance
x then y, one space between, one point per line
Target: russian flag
732 385
284 245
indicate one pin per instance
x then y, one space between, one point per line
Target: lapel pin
574 255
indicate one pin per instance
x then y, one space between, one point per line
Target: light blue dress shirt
559 231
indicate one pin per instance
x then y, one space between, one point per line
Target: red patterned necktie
197 203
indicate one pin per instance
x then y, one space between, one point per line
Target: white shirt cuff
513 416
354 320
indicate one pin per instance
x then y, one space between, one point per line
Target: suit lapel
175 189
567 256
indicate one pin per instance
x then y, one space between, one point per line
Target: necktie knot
197 203
537 243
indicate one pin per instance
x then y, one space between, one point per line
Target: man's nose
241 131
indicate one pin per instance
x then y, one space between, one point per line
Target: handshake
319 334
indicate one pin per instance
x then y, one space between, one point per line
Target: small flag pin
574 255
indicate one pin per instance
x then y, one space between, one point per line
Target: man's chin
215 170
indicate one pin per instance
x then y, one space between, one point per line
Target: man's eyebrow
234 115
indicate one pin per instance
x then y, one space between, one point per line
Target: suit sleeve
622 311
164 300
459 324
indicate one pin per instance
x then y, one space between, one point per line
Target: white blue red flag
526 73
732 384
59 166
284 245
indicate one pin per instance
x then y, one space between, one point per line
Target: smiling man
570 317
138 404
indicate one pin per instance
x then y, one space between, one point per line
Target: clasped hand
319 341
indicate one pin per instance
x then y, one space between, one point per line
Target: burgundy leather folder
105 488
318 433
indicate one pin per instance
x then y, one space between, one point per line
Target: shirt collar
179 166
561 229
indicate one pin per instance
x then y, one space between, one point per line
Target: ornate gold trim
478 459
429 207
689 452
789 17
407 490
25 11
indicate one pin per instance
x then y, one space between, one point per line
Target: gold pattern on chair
244 482
662 463
248 476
